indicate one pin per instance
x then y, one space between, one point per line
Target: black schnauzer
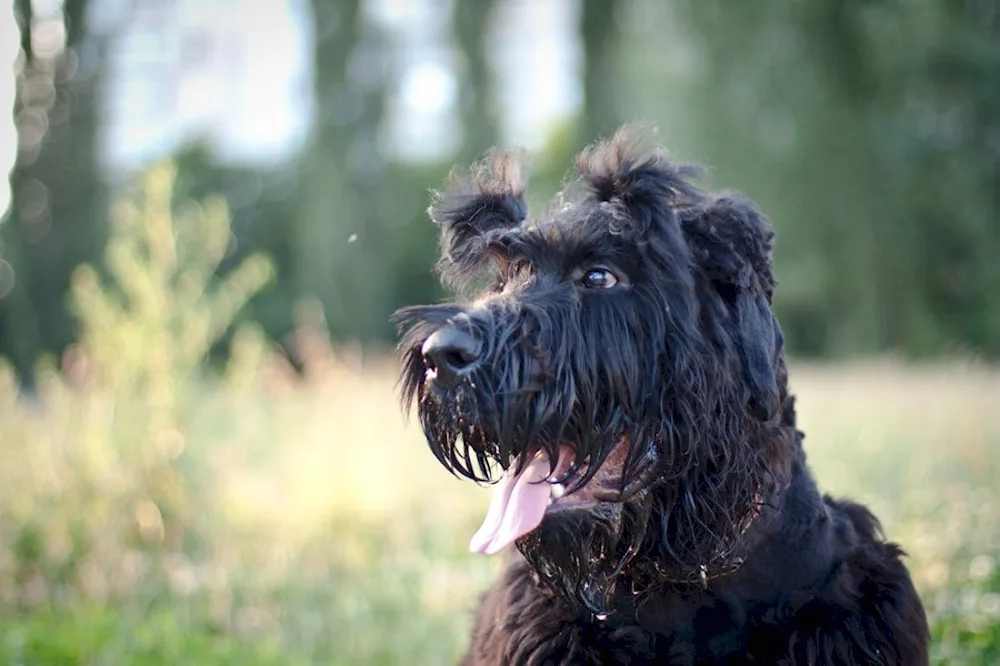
620 364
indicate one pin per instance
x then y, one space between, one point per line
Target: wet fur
726 552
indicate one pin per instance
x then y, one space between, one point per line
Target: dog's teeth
558 490
550 502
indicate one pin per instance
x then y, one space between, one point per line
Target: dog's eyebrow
561 244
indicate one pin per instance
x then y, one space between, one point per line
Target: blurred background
213 208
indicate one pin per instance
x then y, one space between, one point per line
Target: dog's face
619 369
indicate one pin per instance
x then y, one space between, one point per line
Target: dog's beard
543 473
580 545
582 555
457 434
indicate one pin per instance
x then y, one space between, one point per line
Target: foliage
868 131
105 493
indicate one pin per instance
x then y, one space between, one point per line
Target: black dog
621 364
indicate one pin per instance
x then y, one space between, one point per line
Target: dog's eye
599 278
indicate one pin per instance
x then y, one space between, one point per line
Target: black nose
451 354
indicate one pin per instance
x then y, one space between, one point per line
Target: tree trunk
337 236
471 22
599 31
56 220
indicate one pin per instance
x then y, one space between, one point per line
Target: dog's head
618 366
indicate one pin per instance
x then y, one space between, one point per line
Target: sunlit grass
152 512
326 525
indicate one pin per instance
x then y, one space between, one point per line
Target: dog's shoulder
869 607
847 596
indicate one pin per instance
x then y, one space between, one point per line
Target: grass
151 513
325 526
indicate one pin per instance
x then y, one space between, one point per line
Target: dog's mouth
523 498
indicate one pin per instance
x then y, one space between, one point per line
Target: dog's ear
475 205
760 343
630 175
732 241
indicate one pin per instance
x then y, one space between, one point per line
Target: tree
56 219
471 23
864 129
600 36
336 241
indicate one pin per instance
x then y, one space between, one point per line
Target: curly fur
718 547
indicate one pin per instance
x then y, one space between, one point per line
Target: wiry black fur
718 548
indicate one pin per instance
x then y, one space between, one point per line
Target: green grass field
305 523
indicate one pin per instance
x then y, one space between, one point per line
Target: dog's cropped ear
487 199
629 174
732 241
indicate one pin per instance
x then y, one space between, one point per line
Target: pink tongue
518 505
